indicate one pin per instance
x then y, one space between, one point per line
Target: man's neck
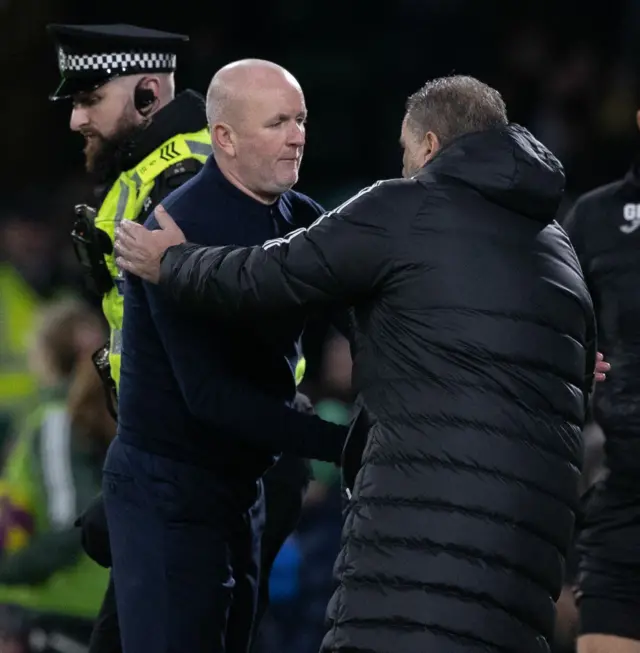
234 178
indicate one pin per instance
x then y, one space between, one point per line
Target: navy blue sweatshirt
217 394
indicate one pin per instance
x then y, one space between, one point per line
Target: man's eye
86 102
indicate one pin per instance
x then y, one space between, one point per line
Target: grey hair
452 106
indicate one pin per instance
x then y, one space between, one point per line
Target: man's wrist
168 259
168 251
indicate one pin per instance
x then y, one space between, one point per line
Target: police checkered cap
91 55
116 62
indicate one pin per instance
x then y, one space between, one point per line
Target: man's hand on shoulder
140 250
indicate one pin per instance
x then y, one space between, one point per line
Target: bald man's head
256 111
243 82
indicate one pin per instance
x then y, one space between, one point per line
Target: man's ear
146 95
430 146
223 137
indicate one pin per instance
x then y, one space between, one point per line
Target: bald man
206 406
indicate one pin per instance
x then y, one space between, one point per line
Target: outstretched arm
341 257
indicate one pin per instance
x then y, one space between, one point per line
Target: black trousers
185 548
284 487
608 582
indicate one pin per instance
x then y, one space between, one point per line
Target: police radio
91 245
101 363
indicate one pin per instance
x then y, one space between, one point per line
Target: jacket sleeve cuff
170 259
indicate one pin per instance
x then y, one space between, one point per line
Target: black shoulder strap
171 177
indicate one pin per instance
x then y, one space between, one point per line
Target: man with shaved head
205 406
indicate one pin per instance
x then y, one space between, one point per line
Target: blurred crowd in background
570 75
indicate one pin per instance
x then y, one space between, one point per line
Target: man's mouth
89 135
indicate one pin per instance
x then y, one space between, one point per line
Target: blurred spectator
52 471
25 281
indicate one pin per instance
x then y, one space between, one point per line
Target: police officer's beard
104 156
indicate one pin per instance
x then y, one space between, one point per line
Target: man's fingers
131 228
164 219
124 264
128 247
139 270
128 254
132 267
128 237
124 239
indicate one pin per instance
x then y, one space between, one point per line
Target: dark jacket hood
508 166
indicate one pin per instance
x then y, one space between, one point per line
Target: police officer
141 142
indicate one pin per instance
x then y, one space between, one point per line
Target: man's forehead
103 90
271 101
81 97
272 93
284 111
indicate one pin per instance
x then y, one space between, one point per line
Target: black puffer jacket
474 340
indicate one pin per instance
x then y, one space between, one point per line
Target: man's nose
78 118
297 136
